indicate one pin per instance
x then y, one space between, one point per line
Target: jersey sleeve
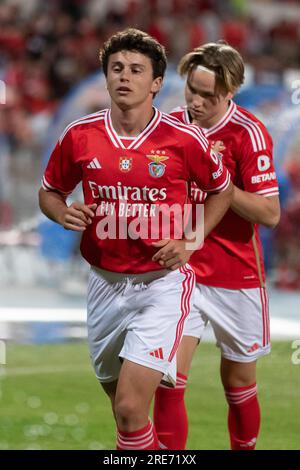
257 166
204 167
62 173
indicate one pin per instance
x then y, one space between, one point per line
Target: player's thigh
136 386
185 353
155 332
106 324
237 374
194 327
110 389
239 318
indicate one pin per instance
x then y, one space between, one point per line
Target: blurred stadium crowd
46 48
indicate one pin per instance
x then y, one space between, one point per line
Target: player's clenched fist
78 216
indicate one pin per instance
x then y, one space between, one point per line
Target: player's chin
124 103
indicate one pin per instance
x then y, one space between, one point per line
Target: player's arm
61 176
255 208
175 253
212 177
215 207
258 202
75 217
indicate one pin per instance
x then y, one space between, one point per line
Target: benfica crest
156 167
125 164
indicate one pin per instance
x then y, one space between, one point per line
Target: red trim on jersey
138 140
223 121
47 187
268 192
187 285
147 131
222 187
230 112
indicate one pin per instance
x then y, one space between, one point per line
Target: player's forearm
53 205
256 209
215 208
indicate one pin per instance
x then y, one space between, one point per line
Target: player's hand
172 253
78 216
218 146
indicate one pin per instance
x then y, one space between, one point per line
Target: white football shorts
139 317
239 318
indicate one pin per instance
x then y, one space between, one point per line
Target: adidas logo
253 348
94 164
157 353
249 444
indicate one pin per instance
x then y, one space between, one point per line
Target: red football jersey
232 255
131 178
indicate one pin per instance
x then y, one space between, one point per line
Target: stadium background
50 75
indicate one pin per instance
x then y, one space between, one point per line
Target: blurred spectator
287 234
5 189
47 48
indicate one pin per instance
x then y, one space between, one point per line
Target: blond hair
222 59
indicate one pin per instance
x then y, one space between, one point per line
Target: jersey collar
221 123
138 140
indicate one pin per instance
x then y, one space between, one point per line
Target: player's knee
239 379
238 374
128 414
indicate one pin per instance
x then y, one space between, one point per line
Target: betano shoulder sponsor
121 192
262 178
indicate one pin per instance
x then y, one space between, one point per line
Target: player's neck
208 123
131 122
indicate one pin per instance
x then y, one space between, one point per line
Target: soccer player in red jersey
230 290
133 161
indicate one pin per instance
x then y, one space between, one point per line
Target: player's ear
156 85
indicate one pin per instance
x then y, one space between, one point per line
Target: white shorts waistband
113 276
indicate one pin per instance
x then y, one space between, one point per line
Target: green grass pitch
50 399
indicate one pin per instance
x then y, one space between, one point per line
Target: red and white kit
130 178
231 258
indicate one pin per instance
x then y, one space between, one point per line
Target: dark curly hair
132 39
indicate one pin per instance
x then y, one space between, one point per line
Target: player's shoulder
178 111
181 113
85 122
186 132
250 128
248 116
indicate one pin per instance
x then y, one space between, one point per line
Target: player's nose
197 102
124 76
